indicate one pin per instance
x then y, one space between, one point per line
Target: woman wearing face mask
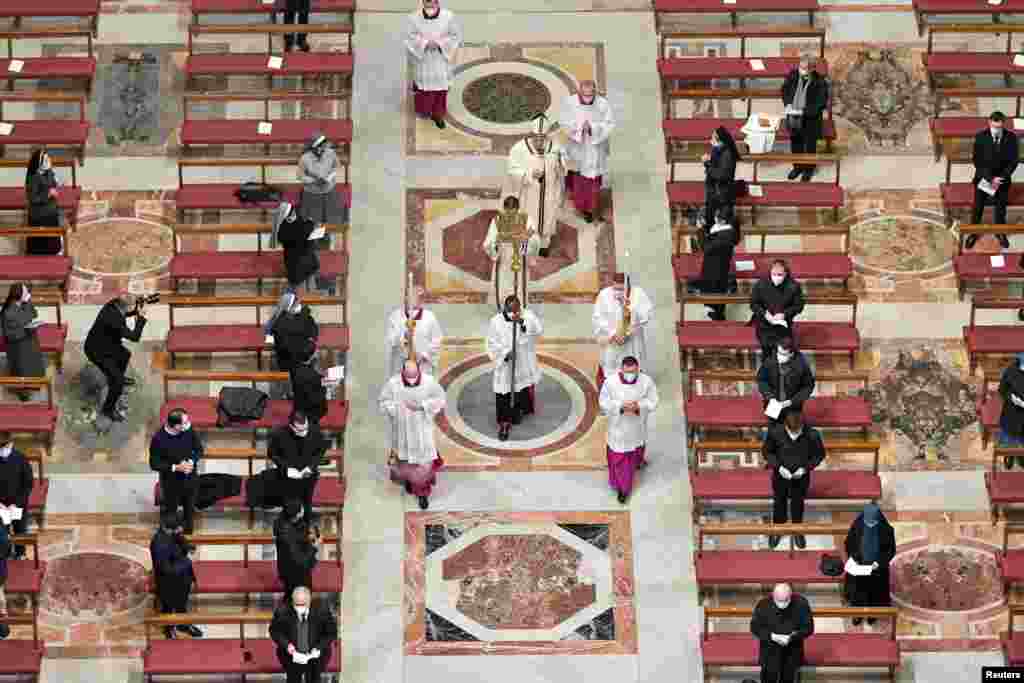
716 267
20 320
41 195
871 542
318 171
1011 420
294 233
720 174
775 301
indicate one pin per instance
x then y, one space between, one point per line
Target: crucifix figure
511 238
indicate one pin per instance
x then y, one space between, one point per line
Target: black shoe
1004 241
1020 315
1008 463
5 631
408 488
190 629
170 632
773 541
872 621
806 177
424 503
799 541
622 497
857 621
503 433
794 174
588 217
971 241
544 253
19 552
719 317
287 47
304 46
129 381
1020 462
439 122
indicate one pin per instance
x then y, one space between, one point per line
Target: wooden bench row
734 9
200 8
966 62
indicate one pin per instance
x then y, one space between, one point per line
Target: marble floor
526 567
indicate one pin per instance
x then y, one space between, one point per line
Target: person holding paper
295 333
775 301
718 244
1011 419
295 450
720 174
426 340
995 159
43 211
295 541
792 450
500 351
785 378
304 632
433 38
587 119
309 393
293 9
171 554
20 320
607 322
781 623
318 171
298 236
16 483
174 452
627 398
805 95
411 400
871 544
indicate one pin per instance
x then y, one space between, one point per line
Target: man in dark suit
786 377
309 394
16 483
174 452
172 571
995 160
103 348
295 540
305 629
295 450
296 9
781 623
792 450
805 94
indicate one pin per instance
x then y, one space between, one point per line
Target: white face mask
804 73
300 431
291 217
185 426
630 376
782 605
996 132
716 143
783 356
44 163
777 279
6 451
26 297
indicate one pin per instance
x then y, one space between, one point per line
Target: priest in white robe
426 339
412 400
627 398
617 343
587 119
502 252
433 37
527 370
535 168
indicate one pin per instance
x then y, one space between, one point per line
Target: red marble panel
462 245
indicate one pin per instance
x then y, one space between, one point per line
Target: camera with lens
142 301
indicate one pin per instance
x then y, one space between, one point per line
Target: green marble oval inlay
506 98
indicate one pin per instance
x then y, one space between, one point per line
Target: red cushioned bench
242 656
40 489
68 196
993 340
201 7
850 650
698 130
1004 488
734 335
965 62
928 8
25 577
38 418
689 69
742 34
776 194
46 68
1012 641
1011 562
21 657
971 266
803 266
946 130
662 7
735 567
737 412
240 338
54 134
959 196
989 407
19 10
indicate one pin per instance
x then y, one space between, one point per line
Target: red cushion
244 131
821 649
51 337
51 67
990 411
994 338
51 8
773 194
53 268
24 577
1013 648
705 68
264 657
756 484
731 334
723 567
1005 487
977 266
199 656
247 265
804 266
257 6
196 196
699 130
203 413
329 493
48 132
969 63
694 6
27 417
965 6
1012 565
214 338
964 126
37 499
260 576
748 411
13 198
295 63
19 657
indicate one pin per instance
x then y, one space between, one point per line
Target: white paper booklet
986 187
774 409
998 261
264 128
10 514
1018 60
336 373
318 233
16 66
294 473
854 569
744 266
275 62
269 339
755 190
6 128
757 65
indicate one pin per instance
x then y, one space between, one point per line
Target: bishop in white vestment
411 401
607 322
535 162
627 398
433 37
502 252
426 341
587 119
527 371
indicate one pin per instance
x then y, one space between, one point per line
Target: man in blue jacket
172 571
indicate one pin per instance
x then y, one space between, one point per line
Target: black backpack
258 193
240 404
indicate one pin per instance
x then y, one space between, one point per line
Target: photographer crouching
103 346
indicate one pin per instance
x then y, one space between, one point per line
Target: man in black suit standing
303 629
805 94
995 160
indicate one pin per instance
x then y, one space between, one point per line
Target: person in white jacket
627 398
587 119
427 339
412 401
536 175
499 349
433 37
615 342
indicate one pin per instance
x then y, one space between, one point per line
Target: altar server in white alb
617 336
526 328
426 338
536 175
412 401
627 398
433 38
587 119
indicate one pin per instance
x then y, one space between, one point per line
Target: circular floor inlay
119 246
476 406
947 579
902 245
506 98
92 586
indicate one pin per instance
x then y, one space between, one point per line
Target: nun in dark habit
871 541
295 234
41 196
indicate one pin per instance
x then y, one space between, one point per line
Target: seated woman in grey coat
19 320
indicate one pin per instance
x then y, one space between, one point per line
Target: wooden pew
971 63
959 196
936 8
990 407
676 71
775 193
1011 561
662 7
19 10
38 418
216 656
50 133
743 34
992 340
974 266
12 198
242 7
846 650
946 131
1004 488
25 577
40 68
18 656
40 489
1012 641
